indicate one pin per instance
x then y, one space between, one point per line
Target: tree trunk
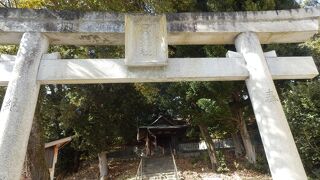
237 112
210 146
103 165
148 146
237 144
76 161
35 166
250 151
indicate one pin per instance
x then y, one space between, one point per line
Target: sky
299 1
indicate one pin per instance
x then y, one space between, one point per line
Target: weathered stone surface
292 67
99 28
115 71
81 71
146 40
281 151
7 63
51 56
5 72
286 67
19 105
8 57
270 54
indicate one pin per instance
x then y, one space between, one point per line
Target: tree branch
4 5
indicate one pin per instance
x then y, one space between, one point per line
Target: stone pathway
156 168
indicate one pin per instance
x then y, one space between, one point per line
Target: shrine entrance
146 40
161 136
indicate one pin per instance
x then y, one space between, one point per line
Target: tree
235 94
237 108
203 105
309 3
302 107
2 93
300 101
35 166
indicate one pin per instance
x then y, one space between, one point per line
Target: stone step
160 174
161 177
158 168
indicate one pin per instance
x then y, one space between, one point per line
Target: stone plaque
146 40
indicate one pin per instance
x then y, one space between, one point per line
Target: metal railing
174 164
139 175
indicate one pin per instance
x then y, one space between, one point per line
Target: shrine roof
163 123
164 127
58 142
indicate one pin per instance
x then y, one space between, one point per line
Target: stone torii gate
146 39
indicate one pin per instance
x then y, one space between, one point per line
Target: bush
223 167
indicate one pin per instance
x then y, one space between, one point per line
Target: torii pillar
281 151
150 50
19 105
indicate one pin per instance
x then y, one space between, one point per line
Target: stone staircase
158 168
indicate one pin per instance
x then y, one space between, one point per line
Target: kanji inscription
270 96
146 40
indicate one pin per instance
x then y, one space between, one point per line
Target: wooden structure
51 153
162 133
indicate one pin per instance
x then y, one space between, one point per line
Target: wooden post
19 105
103 165
250 150
55 159
237 144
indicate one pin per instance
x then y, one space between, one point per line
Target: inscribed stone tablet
146 40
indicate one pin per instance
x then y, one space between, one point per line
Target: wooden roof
58 142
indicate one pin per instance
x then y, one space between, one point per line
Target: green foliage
95 114
222 168
262 164
308 3
35 4
203 157
250 5
146 6
313 45
2 93
302 106
8 49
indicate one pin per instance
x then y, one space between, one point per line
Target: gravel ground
188 170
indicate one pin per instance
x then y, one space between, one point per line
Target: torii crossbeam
146 39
